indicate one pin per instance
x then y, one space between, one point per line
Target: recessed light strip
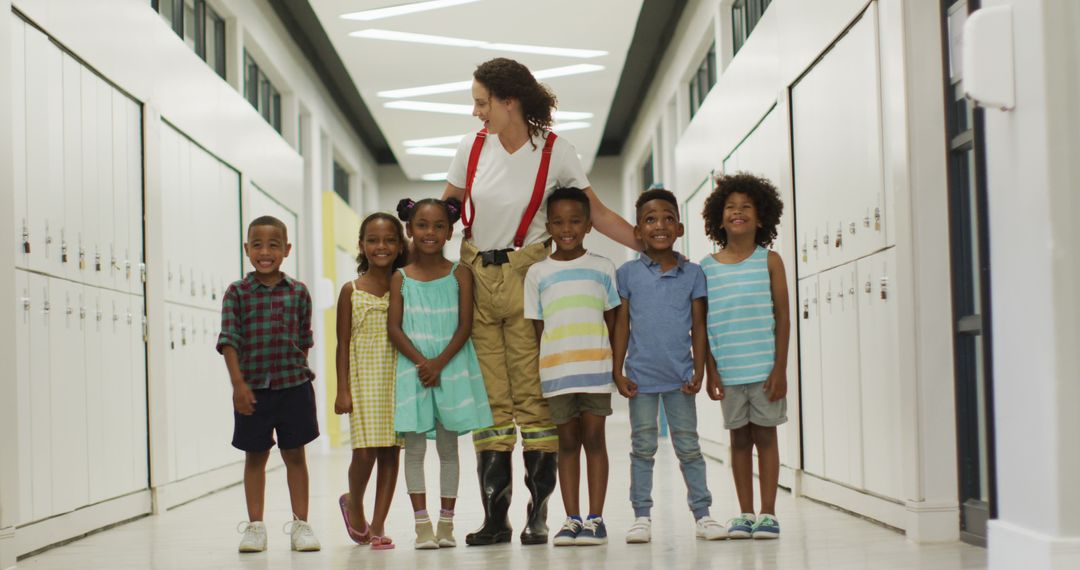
466 85
431 151
402 9
454 109
434 177
379 34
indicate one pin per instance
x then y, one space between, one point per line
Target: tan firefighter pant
509 354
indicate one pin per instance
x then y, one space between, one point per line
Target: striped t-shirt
742 329
571 297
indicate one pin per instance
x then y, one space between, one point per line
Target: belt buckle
495 257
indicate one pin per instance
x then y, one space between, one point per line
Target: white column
1032 182
9 469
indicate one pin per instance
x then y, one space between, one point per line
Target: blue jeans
681 412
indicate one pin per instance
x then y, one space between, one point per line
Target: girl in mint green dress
439 391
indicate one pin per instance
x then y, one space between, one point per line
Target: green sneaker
767 527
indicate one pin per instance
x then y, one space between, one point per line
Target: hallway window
703 80
261 93
201 28
744 17
341 182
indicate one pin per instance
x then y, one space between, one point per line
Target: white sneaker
640 532
708 529
254 539
303 539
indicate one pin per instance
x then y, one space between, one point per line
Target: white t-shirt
504 183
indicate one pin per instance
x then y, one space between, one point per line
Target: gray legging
446 443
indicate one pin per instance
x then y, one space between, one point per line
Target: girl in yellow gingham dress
366 364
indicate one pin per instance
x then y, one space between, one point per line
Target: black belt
495 256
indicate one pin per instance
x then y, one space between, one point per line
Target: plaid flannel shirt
270 328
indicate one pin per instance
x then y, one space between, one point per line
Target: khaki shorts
748 404
566 407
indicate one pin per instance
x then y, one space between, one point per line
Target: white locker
71 231
103 200
189 399
88 244
140 468
21 223
178 247
232 268
116 384
880 365
808 319
24 308
118 256
41 408
70 488
170 154
135 200
203 175
841 397
94 344
44 151
172 394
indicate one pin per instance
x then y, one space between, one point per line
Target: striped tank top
741 327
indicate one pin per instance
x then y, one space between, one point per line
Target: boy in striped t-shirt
748 338
571 299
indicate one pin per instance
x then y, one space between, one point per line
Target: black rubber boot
493 468
540 477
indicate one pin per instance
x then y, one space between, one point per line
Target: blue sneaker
741 526
767 527
593 533
567 535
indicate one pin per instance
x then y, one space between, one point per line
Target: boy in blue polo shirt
660 337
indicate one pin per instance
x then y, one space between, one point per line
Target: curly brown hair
761 192
507 79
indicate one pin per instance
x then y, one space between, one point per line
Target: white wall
911 418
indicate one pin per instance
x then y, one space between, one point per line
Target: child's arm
538 326
393 327
626 386
229 340
343 402
609 320
776 385
307 336
464 328
714 386
243 398
699 342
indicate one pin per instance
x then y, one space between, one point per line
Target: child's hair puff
403 251
761 192
406 207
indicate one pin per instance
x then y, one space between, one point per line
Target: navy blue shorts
289 412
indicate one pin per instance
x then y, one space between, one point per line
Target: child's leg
681 412
643 433
742 466
570 465
415 448
594 439
446 444
255 482
768 466
297 476
363 461
384 486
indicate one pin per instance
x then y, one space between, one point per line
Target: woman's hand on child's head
343 403
776 385
714 387
243 399
626 386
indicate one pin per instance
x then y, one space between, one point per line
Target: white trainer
303 538
640 532
708 528
254 539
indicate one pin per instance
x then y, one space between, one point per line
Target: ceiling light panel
434 177
431 151
401 10
378 34
453 109
466 85
434 141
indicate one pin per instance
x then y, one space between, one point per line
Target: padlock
82 259
97 261
805 309
63 249
804 252
25 238
884 288
877 219
839 237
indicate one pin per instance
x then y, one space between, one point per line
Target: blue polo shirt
658 358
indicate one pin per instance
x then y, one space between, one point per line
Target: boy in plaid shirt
265 337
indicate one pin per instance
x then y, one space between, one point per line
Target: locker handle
866 220
884 288
142 272
25 237
45 308
839 237
867 286
828 297
82 258
851 228
26 303
815 243
877 219
851 291
82 312
69 311
97 261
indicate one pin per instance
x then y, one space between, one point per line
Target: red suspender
468 207
538 191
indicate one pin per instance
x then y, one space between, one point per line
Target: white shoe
303 538
640 532
254 539
708 529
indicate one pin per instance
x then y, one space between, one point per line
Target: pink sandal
357 536
382 543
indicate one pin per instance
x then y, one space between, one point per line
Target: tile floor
201 535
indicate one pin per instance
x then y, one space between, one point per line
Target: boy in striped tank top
748 338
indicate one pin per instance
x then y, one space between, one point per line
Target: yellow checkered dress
372 362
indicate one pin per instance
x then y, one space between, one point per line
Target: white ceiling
378 65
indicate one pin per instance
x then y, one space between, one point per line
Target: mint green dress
459 402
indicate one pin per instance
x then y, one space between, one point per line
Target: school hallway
201 534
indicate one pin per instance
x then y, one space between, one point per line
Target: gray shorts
569 406
748 404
